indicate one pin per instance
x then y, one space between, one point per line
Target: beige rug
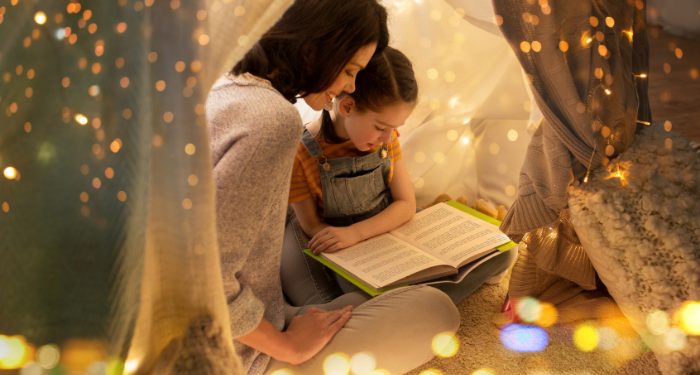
480 346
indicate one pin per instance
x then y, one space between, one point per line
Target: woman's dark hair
312 42
388 79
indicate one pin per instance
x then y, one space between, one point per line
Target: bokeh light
445 344
484 371
131 365
283 371
675 339
187 203
690 318
13 352
47 356
658 322
40 18
116 367
548 315
380 371
528 309
78 354
608 338
190 149
336 364
522 338
586 337
80 119
31 368
362 363
431 371
512 135
116 145
10 173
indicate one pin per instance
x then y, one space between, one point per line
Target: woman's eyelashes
378 128
350 74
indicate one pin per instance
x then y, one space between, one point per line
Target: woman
314 51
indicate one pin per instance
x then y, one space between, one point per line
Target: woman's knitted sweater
253 132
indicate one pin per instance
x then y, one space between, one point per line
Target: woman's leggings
396 327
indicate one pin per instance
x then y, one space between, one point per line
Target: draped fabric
107 220
469 130
585 62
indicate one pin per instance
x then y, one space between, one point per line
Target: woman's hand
310 332
331 239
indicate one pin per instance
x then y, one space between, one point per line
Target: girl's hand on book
310 332
331 239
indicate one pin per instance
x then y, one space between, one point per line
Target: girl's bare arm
398 212
308 217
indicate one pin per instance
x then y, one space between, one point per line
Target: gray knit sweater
254 133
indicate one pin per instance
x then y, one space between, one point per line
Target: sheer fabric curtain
107 218
469 131
183 324
587 64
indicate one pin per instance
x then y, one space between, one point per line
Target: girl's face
371 129
345 81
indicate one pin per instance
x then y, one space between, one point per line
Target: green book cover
373 292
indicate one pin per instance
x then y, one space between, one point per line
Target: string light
590 162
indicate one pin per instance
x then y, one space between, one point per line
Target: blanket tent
108 217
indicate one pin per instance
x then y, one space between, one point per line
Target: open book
442 243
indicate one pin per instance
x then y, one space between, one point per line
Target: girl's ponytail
388 79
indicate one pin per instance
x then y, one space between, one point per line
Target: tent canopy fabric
124 249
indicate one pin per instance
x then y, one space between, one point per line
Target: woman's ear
346 105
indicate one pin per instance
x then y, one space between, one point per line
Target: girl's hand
310 332
331 239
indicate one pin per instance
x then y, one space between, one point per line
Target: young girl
349 183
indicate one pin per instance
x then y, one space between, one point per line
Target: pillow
638 220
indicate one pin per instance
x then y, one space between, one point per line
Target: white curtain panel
469 132
182 276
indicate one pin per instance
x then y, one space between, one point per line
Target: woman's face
345 81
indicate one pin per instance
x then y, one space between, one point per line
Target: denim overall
354 189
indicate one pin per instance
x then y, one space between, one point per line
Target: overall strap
308 140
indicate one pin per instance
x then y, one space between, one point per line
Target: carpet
619 350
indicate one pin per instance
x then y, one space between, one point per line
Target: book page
451 235
381 260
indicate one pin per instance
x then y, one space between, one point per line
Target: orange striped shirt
306 179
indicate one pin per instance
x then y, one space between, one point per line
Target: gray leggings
378 325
